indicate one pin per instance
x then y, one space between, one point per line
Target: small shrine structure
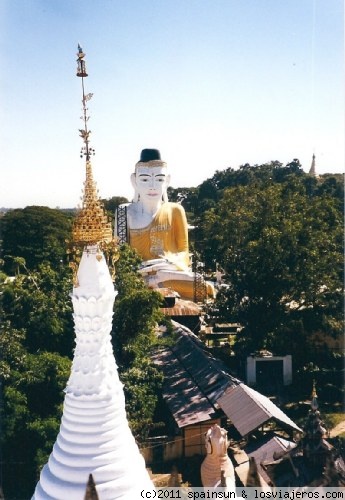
312 461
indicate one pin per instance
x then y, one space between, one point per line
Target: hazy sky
211 83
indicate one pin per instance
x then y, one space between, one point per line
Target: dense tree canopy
37 234
35 337
137 312
281 249
38 301
111 204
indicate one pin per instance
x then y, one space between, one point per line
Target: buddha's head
150 179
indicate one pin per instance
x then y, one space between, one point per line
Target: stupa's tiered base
94 435
94 438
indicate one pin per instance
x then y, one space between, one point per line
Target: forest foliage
277 235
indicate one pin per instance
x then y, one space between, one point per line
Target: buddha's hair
151 163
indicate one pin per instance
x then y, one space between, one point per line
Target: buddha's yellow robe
168 232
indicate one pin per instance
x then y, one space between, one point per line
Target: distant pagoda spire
314 404
314 430
312 170
91 225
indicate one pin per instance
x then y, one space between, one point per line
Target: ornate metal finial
81 71
86 150
91 227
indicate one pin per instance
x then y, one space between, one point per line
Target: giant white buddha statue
157 228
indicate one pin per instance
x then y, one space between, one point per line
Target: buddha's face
151 182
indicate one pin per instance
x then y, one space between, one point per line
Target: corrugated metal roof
208 372
193 378
248 409
263 451
182 308
197 384
185 400
268 449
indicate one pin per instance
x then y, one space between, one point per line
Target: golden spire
91 226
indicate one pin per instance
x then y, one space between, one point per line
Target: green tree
110 205
136 314
35 336
37 234
282 252
31 412
31 394
142 382
333 185
188 197
38 301
137 310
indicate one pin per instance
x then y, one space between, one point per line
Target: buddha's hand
167 262
152 262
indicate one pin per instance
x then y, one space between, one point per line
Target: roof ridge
268 411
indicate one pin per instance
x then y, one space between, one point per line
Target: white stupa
94 436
